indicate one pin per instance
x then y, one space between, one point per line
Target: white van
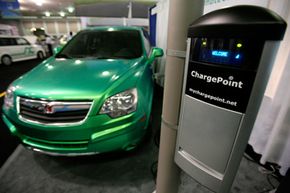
13 49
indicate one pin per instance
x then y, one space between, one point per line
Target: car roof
6 36
113 28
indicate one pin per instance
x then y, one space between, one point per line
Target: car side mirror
155 53
56 49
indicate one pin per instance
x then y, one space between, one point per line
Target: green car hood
76 79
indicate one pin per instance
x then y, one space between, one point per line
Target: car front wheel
6 60
40 55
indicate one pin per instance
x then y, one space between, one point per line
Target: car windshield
124 44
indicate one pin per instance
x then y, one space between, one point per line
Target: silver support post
181 14
130 10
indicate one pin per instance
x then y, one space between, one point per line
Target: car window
22 41
7 42
147 45
146 42
124 44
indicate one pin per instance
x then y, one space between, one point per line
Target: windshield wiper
94 57
63 56
103 57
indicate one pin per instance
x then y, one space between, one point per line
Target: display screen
218 53
228 53
233 58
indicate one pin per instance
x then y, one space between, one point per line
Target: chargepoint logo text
218 80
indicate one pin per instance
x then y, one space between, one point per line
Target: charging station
230 53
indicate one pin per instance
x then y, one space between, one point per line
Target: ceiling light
47 14
62 14
70 9
39 2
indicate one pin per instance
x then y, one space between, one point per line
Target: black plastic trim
244 21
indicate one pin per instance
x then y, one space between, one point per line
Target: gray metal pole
181 14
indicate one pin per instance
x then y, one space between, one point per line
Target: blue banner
9 8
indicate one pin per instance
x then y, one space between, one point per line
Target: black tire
40 55
6 60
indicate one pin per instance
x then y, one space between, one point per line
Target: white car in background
17 48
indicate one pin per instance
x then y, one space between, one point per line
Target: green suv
93 96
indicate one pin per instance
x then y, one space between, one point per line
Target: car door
15 51
9 47
25 49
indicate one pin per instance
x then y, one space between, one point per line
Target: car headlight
120 104
9 97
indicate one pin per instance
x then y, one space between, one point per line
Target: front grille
77 145
53 112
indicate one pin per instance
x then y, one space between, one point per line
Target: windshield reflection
123 44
